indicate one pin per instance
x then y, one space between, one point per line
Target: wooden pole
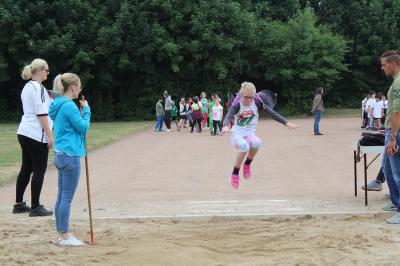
88 190
89 198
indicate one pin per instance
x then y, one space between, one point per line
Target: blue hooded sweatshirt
70 126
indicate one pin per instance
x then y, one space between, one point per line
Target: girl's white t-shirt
370 103
217 112
377 112
246 120
35 101
182 109
364 104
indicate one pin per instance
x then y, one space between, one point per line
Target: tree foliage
128 51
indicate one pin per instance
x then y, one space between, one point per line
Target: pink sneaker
246 171
235 181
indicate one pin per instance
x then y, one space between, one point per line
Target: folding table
365 150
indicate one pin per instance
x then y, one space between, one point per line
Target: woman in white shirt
35 137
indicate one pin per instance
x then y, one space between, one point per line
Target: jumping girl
245 111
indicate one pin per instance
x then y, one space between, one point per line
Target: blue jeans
69 169
159 122
318 116
391 169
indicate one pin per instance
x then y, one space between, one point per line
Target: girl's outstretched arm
278 117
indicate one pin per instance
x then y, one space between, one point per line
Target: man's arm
396 108
395 123
392 145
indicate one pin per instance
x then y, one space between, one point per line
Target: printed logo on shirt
245 118
396 93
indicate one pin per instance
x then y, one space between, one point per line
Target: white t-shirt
35 101
246 120
370 103
182 108
377 109
217 112
385 104
364 104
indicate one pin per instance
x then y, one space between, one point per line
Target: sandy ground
304 240
165 199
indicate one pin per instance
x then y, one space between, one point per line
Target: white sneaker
70 242
167 130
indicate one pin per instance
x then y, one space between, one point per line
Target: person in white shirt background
364 112
370 103
217 114
35 137
377 111
385 104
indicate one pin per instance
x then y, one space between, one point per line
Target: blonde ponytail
58 87
26 73
63 81
33 67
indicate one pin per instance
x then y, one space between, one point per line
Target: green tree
299 56
371 27
128 52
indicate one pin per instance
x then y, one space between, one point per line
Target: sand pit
302 240
165 199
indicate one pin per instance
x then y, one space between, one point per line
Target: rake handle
89 197
88 188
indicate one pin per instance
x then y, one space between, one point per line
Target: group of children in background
243 109
197 113
200 113
374 107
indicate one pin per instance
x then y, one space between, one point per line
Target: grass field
331 112
342 112
100 134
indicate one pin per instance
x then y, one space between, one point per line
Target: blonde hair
247 87
33 67
63 81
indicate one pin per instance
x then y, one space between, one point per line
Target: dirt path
179 174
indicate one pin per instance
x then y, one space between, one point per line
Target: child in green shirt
174 114
159 115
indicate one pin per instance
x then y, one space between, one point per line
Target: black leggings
365 119
34 159
217 123
198 122
381 176
168 119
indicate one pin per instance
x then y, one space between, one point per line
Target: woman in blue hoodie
70 128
